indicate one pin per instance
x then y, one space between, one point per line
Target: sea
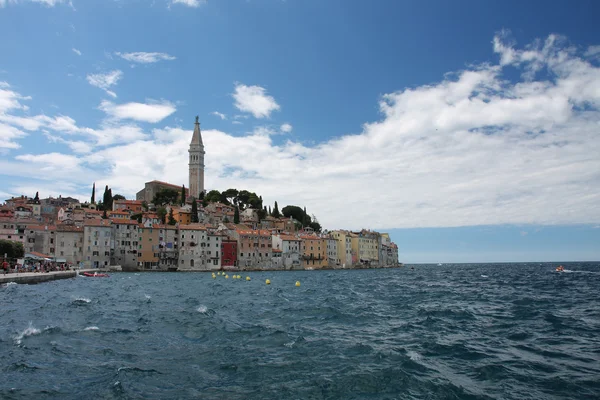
451 331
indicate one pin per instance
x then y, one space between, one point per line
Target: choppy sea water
489 331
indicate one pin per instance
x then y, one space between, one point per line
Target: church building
196 163
196 172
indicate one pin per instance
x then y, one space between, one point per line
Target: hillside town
173 228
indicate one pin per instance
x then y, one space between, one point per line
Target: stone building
344 248
69 243
332 252
290 247
193 248
153 187
125 244
97 237
41 239
314 252
148 247
196 163
168 249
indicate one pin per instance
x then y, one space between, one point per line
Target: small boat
95 275
560 268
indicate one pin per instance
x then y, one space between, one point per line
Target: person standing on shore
5 267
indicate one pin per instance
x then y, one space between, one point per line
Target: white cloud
189 3
9 99
105 81
254 99
218 114
236 122
152 112
286 128
8 134
593 52
472 149
76 51
145 58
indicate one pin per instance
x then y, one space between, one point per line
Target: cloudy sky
468 130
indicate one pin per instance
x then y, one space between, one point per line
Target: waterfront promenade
39 277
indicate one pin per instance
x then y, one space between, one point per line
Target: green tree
110 200
254 201
236 216
201 195
243 199
275 212
195 218
137 217
297 213
230 196
162 214
182 195
11 249
104 216
315 224
118 197
37 197
165 196
305 220
262 213
105 200
270 213
93 193
171 218
213 196
145 205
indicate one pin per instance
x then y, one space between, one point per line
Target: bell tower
196 162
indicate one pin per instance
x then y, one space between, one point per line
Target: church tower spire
196 162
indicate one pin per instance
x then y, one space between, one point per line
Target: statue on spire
197 118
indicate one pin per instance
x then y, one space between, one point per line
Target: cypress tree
276 213
105 197
195 218
236 216
183 195
110 199
270 211
304 219
37 196
94 193
171 218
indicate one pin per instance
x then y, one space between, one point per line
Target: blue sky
430 120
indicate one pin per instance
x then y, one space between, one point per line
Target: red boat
95 275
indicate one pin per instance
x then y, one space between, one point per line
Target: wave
29 331
92 328
81 301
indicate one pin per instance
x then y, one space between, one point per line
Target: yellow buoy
297 283
226 276
247 278
268 282
214 276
